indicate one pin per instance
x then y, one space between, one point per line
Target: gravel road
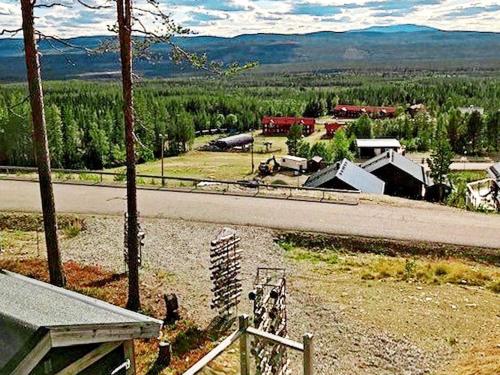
178 250
418 221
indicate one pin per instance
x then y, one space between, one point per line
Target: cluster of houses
388 173
280 126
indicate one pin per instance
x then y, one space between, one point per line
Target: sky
234 17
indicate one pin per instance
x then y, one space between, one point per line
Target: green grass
379 267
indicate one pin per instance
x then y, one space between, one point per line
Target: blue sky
233 17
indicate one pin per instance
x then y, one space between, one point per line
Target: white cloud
233 17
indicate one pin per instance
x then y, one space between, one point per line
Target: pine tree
55 135
340 147
474 130
293 138
441 156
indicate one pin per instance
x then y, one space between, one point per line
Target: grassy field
220 165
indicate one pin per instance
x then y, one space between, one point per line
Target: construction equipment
269 166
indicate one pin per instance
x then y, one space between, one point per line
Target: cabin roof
378 142
349 173
31 309
399 161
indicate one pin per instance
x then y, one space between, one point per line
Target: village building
49 330
315 164
354 111
402 177
415 109
281 125
471 109
332 127
345 175
368 148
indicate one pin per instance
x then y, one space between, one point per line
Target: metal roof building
347 176
50 330
402 176
368 148
238 140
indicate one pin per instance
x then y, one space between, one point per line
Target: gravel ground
178 251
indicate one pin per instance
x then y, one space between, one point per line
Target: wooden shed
47 330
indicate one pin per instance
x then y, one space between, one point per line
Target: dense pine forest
85 126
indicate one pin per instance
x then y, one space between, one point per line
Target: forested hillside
383 49
85 123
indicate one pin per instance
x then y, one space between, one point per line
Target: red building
355 111
332 127
282 125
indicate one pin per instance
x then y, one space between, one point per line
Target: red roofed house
355 111
332 127
282 125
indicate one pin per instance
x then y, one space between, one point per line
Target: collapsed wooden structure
49 330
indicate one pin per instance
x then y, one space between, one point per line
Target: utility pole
253 165
162 147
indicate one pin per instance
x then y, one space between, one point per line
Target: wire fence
188 184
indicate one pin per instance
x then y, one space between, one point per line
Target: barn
345 175
281 125
402 177
49 330
355 111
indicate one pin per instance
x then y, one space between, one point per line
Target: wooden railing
243 334
250 188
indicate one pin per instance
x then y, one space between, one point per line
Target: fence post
244 345
162 181
308 354
101 177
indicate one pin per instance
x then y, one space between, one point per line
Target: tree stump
164 354
172 308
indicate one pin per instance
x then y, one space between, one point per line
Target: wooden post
308 354
129 350
244 345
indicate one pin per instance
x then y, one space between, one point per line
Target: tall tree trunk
41 145
124 12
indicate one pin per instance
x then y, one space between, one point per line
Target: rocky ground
360 327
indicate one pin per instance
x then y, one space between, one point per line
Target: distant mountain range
376 48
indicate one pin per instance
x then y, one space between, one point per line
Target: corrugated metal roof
235 140
29 307
378 142
399 161
349 173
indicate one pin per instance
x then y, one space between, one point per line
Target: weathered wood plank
34 357
90 358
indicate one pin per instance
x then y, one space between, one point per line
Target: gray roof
234 140
399 161
378 142
29 307
349 173
494 171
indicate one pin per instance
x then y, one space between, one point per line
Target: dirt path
422 222
361 327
